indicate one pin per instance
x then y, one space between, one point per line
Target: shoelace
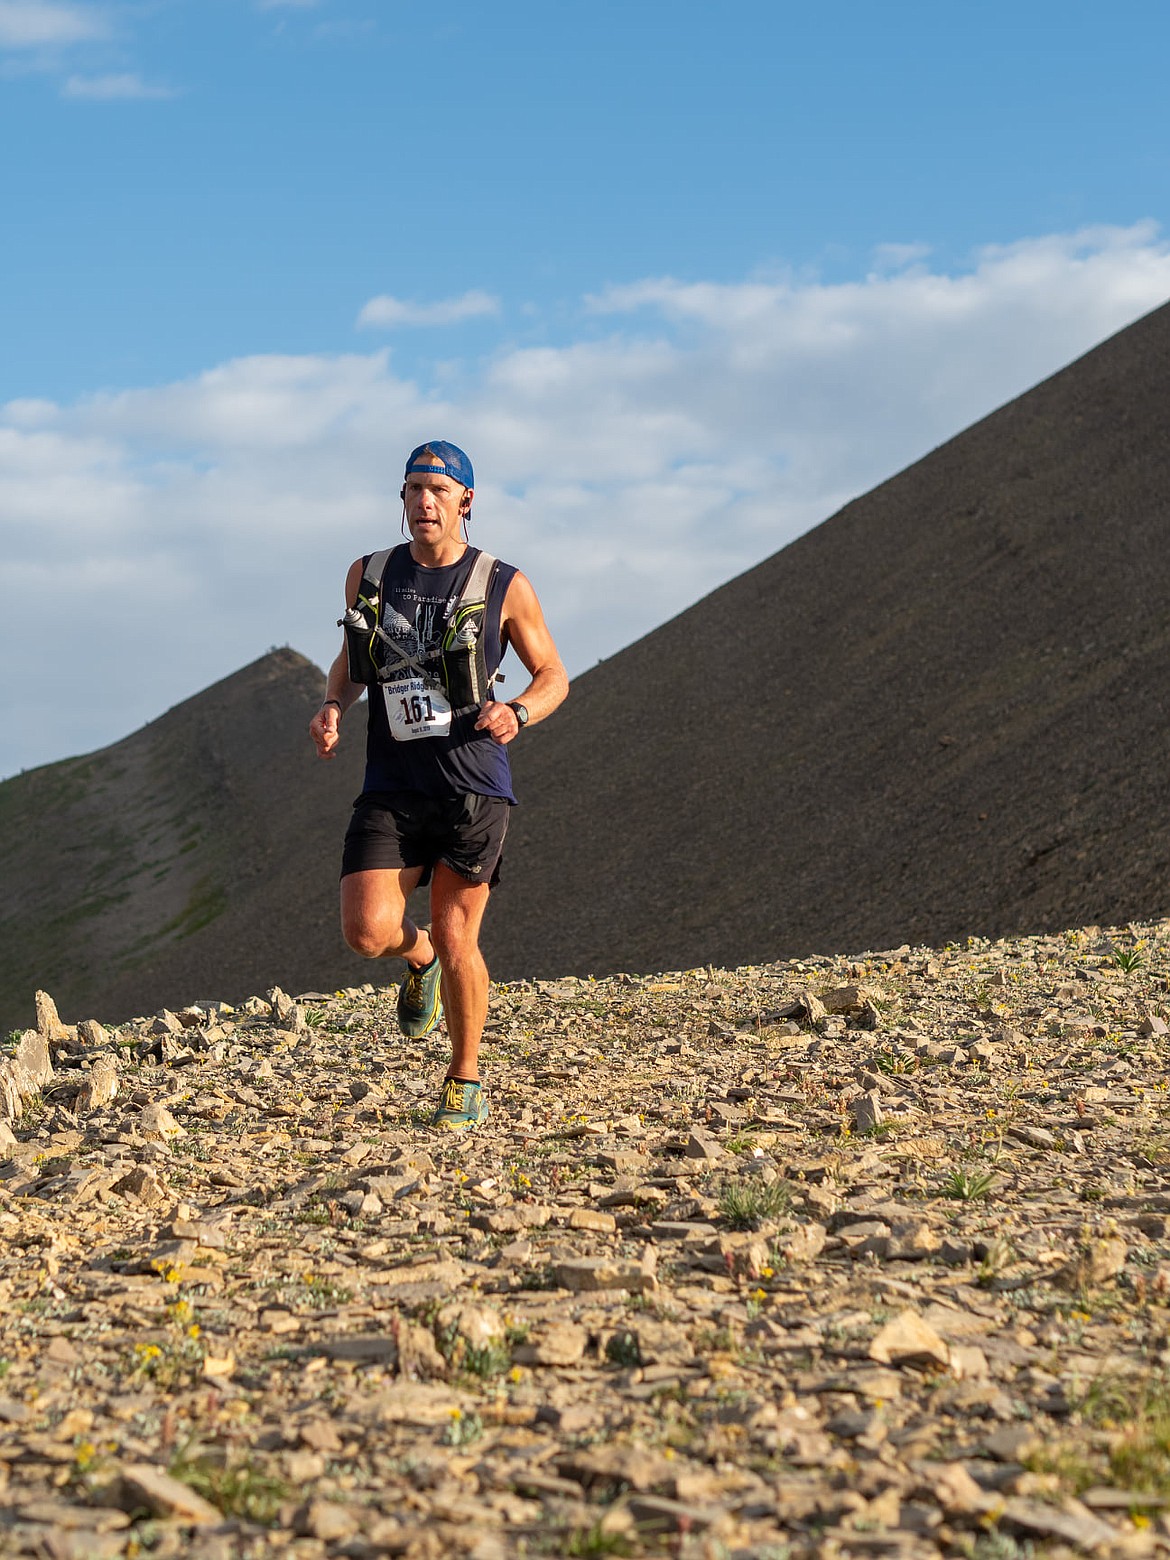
452 1095
414 988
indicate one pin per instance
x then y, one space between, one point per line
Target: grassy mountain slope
196 857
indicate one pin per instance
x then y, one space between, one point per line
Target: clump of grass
1136 1409
968 1185
1128 960
1108 1402
1069 1464
893 1065
745 1205
313 1214
1139 1458
741 1143
240 1488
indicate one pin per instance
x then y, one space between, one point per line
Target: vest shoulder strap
372 573
479 580
475 589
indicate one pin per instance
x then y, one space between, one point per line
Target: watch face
521 714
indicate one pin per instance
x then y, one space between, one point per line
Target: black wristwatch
520 713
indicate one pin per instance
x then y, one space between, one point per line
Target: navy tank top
414 607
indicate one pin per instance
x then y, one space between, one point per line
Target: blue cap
442 460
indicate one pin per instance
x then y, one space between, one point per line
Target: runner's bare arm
325 726
522 626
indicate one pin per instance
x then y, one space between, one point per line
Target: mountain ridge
186 858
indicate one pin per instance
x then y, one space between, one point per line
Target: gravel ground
858 1256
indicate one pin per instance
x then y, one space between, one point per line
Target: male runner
438 787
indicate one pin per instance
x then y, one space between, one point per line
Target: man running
426 636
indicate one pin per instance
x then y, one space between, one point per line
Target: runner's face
435 506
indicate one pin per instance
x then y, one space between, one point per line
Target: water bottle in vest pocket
359 625
465 674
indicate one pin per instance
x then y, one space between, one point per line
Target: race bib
416 709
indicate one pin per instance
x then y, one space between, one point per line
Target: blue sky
683 278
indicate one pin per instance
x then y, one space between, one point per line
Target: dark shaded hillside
197 857
943 711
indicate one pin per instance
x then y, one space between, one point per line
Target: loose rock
689 1289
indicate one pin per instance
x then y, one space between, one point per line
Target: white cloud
106 89
31 24
628 475
43 37
385 312
896 257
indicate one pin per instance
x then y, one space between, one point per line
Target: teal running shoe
420 1006
461 1108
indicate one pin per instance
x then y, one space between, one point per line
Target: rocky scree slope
828 1257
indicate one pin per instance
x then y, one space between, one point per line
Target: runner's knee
363 940
372 939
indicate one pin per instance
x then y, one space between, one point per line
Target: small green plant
968 1185
745 1205
1134 1414
715 1340
1141 1459
1112 1401
1128 960
236 1488
741 1143
462 1429
314 1214
489 1359
881 1130
1068 1464
586 1542
622 1349
995 1545
314 1291
176 1362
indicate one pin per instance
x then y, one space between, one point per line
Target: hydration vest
458 664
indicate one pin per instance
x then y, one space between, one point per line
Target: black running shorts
394 829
